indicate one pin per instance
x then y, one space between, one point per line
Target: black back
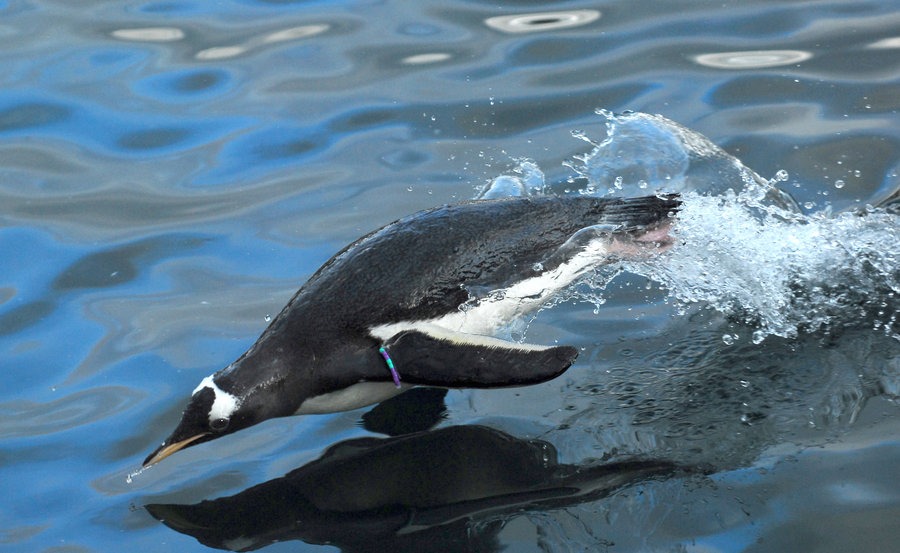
425 265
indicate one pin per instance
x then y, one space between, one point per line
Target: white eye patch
224 405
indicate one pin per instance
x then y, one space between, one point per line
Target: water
743 246
173 171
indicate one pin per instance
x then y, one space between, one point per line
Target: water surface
170 172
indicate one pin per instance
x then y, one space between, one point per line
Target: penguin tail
638 213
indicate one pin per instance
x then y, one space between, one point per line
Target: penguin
416 492
416 303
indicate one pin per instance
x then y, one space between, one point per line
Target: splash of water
134 474
783 275
528 179
743 246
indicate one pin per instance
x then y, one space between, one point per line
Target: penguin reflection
430 491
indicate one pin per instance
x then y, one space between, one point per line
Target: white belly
352 397
475 323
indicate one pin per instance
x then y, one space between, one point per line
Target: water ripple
542 21
171 170
33 114
753 59
149 34
183 86
23 418
128 209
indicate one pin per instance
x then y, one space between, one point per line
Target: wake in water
743 246
780 272
763 330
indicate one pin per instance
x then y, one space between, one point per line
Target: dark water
173 171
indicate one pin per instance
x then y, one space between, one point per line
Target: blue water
171 172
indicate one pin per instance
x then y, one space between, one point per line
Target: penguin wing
441 357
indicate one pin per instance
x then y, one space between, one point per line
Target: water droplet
131 475
728 339
839 183
538 267
268 318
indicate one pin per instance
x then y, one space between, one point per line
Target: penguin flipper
458 360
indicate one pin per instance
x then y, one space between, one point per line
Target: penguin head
211 413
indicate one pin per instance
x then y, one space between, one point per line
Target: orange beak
167 450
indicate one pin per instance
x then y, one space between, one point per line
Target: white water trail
783 276
743 246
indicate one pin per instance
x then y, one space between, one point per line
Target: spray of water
783 275
743 246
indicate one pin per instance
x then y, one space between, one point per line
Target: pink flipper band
390 364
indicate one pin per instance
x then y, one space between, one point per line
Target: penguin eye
218 425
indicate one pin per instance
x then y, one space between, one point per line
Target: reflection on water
420 59
171 172
294 33
173 34
450 488
544 21
886 43
149 34
753 59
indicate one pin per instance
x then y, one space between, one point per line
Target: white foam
779 274
743 246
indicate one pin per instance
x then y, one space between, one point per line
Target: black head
211 413
273 379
